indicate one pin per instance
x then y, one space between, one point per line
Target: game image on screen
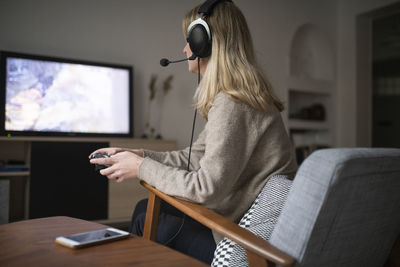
66 97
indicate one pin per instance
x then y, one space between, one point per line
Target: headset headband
209 5
204 10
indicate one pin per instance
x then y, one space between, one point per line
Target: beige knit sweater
232 159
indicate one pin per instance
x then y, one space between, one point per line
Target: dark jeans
193 239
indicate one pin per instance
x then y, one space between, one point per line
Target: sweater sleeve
179 158
230 138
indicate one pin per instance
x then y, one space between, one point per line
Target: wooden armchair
342 210
259 251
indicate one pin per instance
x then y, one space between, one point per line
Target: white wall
140 32
347 80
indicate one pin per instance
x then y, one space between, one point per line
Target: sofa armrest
255 246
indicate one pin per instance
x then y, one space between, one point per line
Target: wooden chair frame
259 252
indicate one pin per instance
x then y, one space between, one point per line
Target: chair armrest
227 228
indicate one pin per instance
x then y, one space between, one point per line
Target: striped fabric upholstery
259 219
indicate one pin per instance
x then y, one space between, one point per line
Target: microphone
165 62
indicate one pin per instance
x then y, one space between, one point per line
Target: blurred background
333 62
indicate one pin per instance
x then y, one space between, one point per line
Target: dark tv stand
62 183
122 197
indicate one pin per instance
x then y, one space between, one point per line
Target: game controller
98 167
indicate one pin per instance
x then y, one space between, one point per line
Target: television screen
52 96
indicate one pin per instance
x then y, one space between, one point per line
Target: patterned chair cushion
260 219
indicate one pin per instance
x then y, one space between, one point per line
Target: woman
244 141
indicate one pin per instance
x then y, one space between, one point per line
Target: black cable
191 139
190 152
194 118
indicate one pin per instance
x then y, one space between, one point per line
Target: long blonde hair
232 67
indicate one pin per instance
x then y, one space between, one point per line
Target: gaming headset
198 33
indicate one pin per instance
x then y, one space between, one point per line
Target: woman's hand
122 165
108 151
114 150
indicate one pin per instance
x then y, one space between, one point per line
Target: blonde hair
232 67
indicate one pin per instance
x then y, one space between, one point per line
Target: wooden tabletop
32 243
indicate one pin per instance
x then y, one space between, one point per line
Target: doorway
386 81
378 77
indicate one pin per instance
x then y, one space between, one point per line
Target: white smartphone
91 238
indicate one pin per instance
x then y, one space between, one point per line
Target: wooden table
32 243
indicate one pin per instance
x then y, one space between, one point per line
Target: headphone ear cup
199 41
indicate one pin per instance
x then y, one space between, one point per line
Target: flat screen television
49 96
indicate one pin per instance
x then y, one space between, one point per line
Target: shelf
308 85
82 139
308 125
311 89
8 174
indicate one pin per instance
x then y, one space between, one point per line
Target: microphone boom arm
165 62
